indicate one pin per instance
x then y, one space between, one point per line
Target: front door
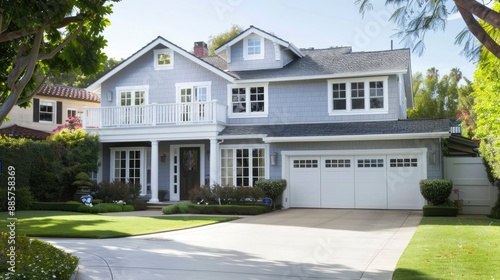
190 170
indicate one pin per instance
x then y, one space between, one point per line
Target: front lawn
66 224
452 248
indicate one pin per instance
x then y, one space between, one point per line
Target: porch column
214 161
154 171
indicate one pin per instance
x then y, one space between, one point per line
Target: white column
214 161
154 171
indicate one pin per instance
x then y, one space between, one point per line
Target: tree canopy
220 39
416 18
47 36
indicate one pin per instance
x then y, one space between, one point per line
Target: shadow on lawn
469 220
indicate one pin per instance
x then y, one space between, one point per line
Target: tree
47 36
436 97
220 39
415 18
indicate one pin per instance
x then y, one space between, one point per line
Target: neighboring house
332 122
51 107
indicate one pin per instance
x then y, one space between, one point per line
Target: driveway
286 244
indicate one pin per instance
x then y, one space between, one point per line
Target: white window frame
54 110
143 162
72 110
119 90
367 109
246 55
248 113
193 86
163 66
234 161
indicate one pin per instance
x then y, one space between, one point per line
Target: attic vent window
253 47
164 59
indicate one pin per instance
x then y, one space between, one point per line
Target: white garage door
371 181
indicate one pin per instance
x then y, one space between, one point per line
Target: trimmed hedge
71 206
447 211
36 259
185 208
105 208
436 191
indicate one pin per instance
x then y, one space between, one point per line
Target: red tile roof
17 131
69 92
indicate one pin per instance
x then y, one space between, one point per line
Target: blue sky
313 23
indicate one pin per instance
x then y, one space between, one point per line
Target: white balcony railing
154 114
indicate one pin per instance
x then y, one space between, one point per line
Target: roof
69 92
17 131
381 128
262 33
151 45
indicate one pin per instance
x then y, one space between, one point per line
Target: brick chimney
200 49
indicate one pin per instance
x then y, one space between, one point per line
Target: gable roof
17 131
346 131
69 92
160 41
262 33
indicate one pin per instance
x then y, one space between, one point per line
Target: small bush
436 192
36 259
88 209
202 194
170 209
24 199
117 190
225 195
162 194
213 209
71 206
97 201
273 188
128 208
140 205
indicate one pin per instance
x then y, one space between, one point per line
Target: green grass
452 248
69 224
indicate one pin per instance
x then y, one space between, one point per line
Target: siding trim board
430 135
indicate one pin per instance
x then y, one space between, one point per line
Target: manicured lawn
69 224
452 248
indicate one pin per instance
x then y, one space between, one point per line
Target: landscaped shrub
183 208
88 209
140 205
117 190
202 195
24 199
170 209
273 188
436 191
162 194
128 208
36 259
57 206
225 195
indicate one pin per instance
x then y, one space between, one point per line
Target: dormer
255 49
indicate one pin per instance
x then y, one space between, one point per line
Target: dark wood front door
190 171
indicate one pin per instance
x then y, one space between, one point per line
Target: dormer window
253 47
164 59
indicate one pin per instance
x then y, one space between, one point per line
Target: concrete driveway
286 244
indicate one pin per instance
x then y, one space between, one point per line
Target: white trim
179 86
246 55
246 136
277 51
244 146
366 83
174 151
248 113
148 48
119 90
163 51
368 137
54 111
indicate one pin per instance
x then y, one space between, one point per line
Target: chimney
200 49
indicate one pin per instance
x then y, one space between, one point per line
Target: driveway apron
285 244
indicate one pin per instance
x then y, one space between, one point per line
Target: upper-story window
253 47
358 96
248 100
164 59
132 96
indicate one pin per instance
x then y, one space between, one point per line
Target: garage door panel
371 182
337 182
305 182
403 175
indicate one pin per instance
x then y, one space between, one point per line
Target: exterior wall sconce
109 95
163 157
274 158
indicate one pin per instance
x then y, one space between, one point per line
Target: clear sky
312 23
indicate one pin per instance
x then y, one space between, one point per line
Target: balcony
211 112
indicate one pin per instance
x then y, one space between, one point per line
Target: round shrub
273 188
436 191
140 205
171 209
128 208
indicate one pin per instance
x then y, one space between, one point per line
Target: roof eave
368 137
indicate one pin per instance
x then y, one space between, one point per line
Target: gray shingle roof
341 129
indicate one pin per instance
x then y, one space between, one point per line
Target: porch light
274 158
163 157
110 95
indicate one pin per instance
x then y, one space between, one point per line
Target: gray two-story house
332 122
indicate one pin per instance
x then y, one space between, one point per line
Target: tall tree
415 18
436 97
49 36
220 39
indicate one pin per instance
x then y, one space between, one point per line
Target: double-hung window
242 166
358 96
47 111
248 100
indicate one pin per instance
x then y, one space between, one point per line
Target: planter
440 211
459 204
